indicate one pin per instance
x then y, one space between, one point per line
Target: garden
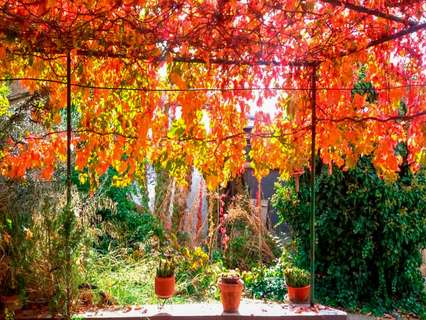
178 152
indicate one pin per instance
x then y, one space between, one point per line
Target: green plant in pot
9 275
297 281
9 293
165 280
9 314
231 288
11 301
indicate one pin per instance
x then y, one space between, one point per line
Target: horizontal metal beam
369 11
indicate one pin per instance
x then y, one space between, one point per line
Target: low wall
249 310
207 311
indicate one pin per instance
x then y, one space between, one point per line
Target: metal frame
313 172
413 27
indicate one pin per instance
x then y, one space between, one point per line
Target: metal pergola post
313 191
69 129
68 212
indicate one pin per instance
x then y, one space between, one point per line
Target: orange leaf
359 101
177 80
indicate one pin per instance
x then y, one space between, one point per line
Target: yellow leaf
82 177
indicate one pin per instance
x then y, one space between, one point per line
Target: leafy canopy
224 48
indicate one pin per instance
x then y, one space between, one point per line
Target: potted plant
297 281
8 314
10 293
11 302
231 288
165 279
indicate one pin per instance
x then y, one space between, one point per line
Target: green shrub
36 229
125 225
238 253
369 236
197 276
243 250
265 282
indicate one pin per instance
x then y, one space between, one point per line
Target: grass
127 280
128 283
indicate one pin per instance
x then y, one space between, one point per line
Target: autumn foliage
173 82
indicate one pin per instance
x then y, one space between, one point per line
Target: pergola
223 51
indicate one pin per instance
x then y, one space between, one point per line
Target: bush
196 276
124 224
265 283
36 229
369 236
244 232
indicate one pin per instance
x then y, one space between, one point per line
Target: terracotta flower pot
230 295
299 295
165 287
12 302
